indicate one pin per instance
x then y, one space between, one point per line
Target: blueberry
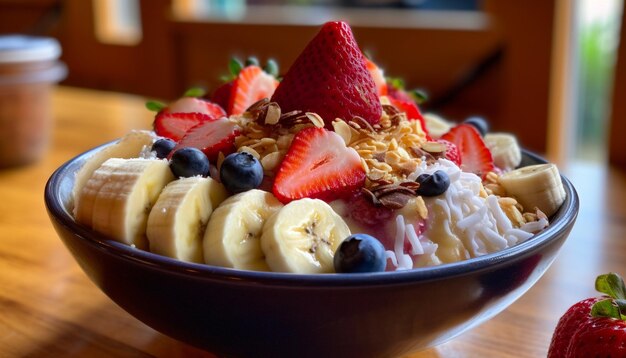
433 184
360 253
163 147
479 123
241 172
189 162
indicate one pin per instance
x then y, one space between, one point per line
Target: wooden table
48 307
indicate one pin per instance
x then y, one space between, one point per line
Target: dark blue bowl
260 314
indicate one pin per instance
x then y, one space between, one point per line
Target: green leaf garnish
155 106
234 66
395 82
615 306
271 67
611 284
605 308
252 61
419 96
195 92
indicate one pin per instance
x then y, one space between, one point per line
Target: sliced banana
177 221
117 199
505 150
537 186
217 193
232 237
303 237
128 146
436 125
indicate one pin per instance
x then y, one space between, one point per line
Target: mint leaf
155 106
194 92
611 284
234 66
271 67
252 61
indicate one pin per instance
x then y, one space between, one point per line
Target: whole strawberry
330 78
594 327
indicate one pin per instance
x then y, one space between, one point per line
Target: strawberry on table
594 327
212 137
330 78
318 165
475 156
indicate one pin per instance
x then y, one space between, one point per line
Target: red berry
362 210
598 337
221 95
569 323
330 78
211 137
452 151
475 156
175 125
318 165
594 327
251 85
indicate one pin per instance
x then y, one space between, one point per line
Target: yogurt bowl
238 313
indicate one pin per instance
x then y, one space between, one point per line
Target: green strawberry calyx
612 285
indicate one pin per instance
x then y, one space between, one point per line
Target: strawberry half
476 157
318 165
211 137
251 85
175 125
196 105
411 109
330 78
378 76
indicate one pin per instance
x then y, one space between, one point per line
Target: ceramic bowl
236 313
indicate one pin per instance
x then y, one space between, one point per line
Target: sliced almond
272 160
272 116
315 119
434 147
343 129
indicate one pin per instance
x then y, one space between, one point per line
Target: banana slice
128 146
505 150
117 199
232 235
535 186
436 125
217 193
303 237
178 218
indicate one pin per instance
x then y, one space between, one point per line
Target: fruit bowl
237 313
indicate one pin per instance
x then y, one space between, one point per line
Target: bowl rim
560 222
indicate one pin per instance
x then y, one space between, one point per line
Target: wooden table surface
48 306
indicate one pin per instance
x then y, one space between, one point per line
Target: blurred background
543 69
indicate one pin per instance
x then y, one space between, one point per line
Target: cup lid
22 48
